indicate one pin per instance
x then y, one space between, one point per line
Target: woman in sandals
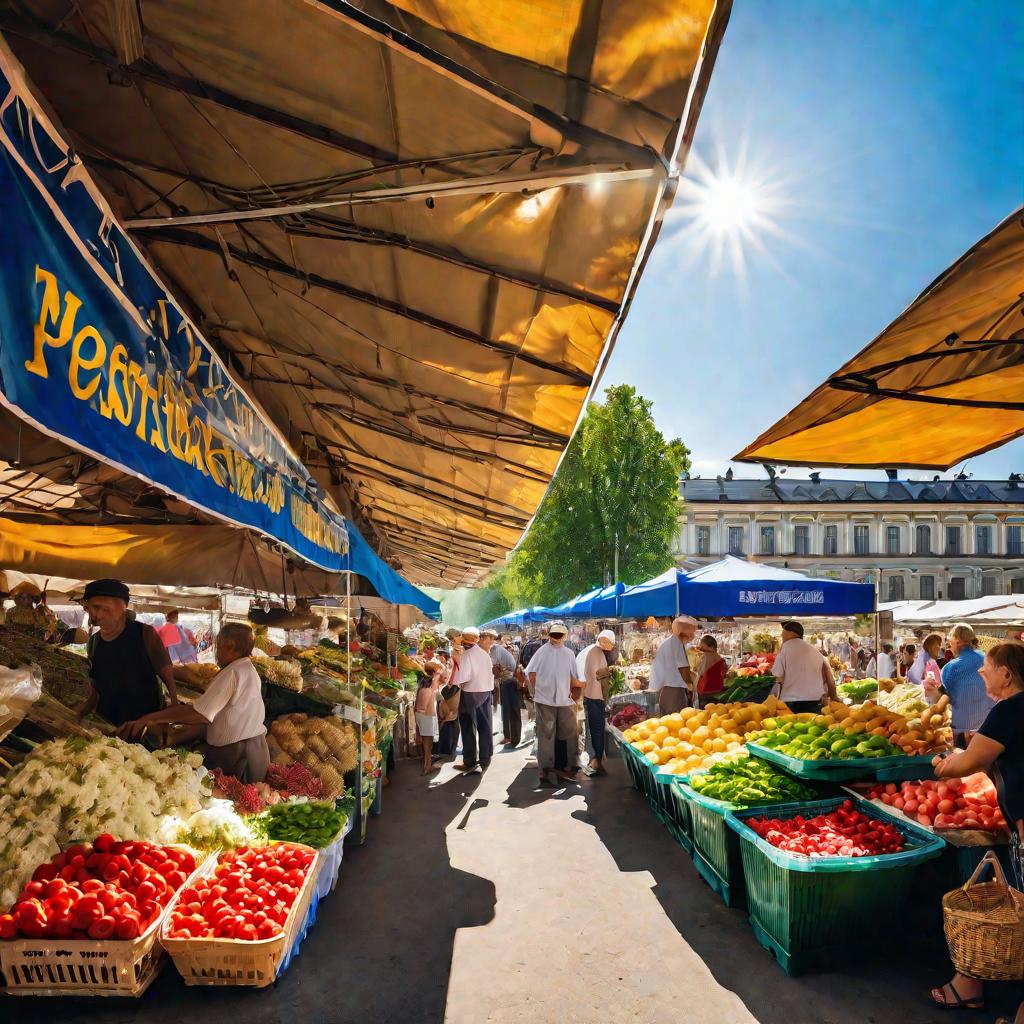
997 748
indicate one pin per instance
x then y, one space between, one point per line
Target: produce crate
255 963
638 767
673 814
87 967
913 768
837 770
814 913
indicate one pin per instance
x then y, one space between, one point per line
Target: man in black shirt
127 659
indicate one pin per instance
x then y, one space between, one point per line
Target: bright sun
724 214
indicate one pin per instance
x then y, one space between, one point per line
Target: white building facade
928 540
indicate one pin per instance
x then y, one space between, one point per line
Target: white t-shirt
476 671
886 665
671 657
233 705
588 664
555 668
800 663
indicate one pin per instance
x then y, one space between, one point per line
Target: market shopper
533 645
127 659
670 671
712 668
475 678
553 677
962 680
997 748
447 709
231 711
885 663
508 688
179 641
30 611
926 662
426 710
592 668
803 674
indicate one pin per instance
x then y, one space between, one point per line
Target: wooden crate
239 961
86 967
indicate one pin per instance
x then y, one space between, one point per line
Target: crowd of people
546 675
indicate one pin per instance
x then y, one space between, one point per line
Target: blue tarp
364 561
606 604
576 607
735 587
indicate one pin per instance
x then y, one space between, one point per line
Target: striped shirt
966 689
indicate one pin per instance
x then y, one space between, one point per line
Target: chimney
728 473
891 474
816 478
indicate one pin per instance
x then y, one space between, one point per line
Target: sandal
957 1003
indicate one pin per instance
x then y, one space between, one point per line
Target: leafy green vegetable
315 823
748 782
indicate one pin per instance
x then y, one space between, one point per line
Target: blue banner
95 351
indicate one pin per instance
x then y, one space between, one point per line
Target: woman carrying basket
997 748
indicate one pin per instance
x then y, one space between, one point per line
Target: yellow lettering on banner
49 310
79 363
216 456
120 403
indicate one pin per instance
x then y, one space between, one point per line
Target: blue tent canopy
605 604
576 607
735 587
364 561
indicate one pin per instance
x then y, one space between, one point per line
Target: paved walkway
481 898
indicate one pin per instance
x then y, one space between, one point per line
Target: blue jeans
594 709
474 719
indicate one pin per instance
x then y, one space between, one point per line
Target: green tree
618 485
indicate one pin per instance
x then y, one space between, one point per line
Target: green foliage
467 607
619 479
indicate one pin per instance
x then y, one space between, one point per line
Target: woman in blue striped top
961 679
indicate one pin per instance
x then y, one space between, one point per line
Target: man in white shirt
231 709
553 676
802 672
670 670
475 677
885 663
504 662
592 668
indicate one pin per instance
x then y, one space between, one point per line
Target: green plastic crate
812 913
673 814
840 771
716 848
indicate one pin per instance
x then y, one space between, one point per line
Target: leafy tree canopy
618 483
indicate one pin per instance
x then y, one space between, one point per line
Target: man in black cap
127 659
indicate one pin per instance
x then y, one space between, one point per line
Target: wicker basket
984 924
86 967
238 961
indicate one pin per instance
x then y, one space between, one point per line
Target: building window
892 541
861 540
953 540
989 586
703 540
927 588
957 589
767 540
895 588
983 540
1017 585
735 540
802 540
831 540
924 540
1013 542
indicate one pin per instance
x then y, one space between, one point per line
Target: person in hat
508 689
30 611
127 659
553 680
230 713
593 667
475 678
670 677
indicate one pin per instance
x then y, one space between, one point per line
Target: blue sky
884 139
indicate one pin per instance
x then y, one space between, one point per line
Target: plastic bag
20 688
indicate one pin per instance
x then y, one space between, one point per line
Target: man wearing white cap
553 676
670 670
592 667
475 677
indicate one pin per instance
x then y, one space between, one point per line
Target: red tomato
102 928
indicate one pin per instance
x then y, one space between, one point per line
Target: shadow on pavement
887 985
381 949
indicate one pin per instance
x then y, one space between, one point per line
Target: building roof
802 492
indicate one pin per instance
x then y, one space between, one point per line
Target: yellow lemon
685 734
718 746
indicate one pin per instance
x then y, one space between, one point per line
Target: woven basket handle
997 869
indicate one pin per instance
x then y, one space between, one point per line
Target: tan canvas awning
412 229
942 382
